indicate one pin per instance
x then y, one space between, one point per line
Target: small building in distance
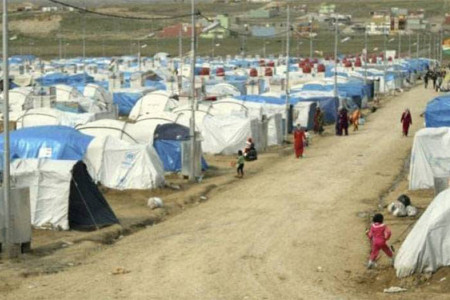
262 13
326 9
220 32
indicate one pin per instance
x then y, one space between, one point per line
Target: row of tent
72 120
427 246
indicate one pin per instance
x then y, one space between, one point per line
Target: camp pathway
289 232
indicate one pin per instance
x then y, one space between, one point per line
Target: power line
85 10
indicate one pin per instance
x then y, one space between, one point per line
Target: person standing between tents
318 121
426 78
406 121
438 81
343 122
356 115
299 139
379 234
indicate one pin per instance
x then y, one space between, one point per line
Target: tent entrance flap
88 208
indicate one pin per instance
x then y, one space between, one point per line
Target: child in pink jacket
378 234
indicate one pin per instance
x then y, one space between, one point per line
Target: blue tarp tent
437 112
75 80
329 106
167 142
52 142
126 100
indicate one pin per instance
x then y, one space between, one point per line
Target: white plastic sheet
49 183
427 246
430 157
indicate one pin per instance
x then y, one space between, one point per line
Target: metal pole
192 127
139 55
440 46
385 60
310 41
409 45
60 48
399 45
288 27
7 234
336 32
365 56
417 46
180 50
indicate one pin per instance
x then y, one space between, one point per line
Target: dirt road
290 232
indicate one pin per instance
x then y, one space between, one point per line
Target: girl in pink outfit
379 233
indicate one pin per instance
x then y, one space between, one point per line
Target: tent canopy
437 112
53 142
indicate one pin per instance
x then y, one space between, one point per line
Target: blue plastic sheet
437 112
52 142
169 151
126 101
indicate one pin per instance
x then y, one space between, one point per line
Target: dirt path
290 232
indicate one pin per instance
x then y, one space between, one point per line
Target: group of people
437 77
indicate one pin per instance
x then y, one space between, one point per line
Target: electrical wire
85 10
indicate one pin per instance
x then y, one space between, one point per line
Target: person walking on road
240 164
342 122
406 121
299 140
318 121
356 115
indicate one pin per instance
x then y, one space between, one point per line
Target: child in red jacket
378 234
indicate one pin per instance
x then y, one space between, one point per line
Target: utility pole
409 46
399 45
7 230
264 49
336 31
288 33
417 45
440 44
60 47
139 55
193 104
365 56
310 41
385 59
180 50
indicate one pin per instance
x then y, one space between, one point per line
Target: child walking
379 234
240 164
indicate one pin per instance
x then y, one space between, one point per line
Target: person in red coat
406 121
299 139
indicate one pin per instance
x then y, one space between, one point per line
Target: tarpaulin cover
437 112
167 142
88 208
60 78
121 165
427 246
52 142
430 157
126 101
174 132
329 106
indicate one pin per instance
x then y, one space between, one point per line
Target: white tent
430 157
120 165
427 246
222 89
154 102
49 183
99 94
66 93
225 134
51 116
115 128
20 99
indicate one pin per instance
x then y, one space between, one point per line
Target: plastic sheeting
225 134
430 157
427 246
51 116
52 142
49 183
437 112
152 103
126 100
120 165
